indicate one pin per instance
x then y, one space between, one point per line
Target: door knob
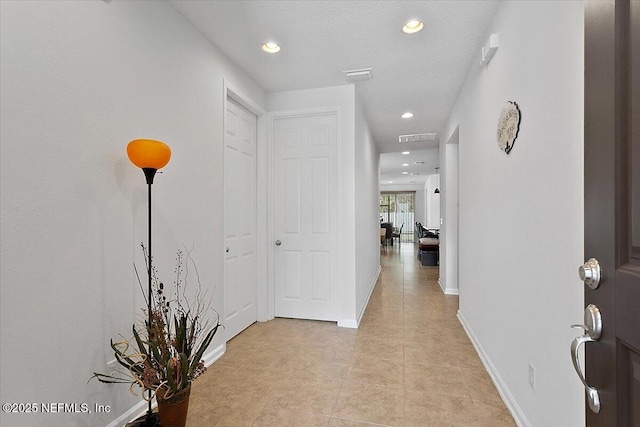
278 242
226 249
590 273
593 328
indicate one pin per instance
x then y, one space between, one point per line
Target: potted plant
165 353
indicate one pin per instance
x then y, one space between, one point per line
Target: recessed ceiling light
406 152
407 115
405 173
412 26
271 47
390 182
405 164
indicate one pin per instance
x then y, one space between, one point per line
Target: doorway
305 215
398 208
240 296
244 211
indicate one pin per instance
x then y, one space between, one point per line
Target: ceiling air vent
417 137
358 75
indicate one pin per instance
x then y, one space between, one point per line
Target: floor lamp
149 155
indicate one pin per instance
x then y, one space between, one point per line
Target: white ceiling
421 73
391 167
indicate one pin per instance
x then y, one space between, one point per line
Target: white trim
304 112
366 303
340 253
348 323
136 411
271 296
508 399
140 408
214 354
448 291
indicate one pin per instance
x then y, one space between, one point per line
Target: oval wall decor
508 126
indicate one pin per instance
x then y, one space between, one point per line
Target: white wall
521 215
367 208
433 202
419 207
79 80
342 97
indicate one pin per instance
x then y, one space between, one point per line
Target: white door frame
449 231
231 91
303 112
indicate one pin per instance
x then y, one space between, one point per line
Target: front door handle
593 329
593 396
278 242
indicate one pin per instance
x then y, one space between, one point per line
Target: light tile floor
409 364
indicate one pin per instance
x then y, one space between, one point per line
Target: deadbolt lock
590 273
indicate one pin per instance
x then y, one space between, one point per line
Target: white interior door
240 282
305 218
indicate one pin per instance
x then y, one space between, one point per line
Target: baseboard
448 291
141 407
508 399
366 303
214 354
348 323
354 323
136 411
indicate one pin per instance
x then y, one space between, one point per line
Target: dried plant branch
165 353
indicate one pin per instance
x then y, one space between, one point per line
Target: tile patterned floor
409 364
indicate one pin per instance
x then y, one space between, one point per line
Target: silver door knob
226 249
278 242
590 273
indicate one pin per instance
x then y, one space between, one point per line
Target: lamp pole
149 173
149 155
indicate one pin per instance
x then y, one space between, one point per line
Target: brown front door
612 208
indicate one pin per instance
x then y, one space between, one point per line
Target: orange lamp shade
148 153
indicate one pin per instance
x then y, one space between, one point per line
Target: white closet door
240 288
305 238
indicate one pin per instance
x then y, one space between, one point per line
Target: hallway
410 363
